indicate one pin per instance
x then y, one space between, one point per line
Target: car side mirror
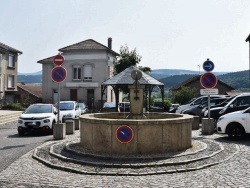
231 106
55 113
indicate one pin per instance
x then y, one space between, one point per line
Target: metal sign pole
58 104
208 108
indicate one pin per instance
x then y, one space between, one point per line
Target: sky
167 34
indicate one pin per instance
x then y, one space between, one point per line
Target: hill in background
170 77
163 73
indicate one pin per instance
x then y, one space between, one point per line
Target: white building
88 64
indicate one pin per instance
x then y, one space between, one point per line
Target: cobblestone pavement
27 172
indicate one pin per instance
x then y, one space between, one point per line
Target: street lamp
248 40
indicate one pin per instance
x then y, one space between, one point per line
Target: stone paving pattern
27 172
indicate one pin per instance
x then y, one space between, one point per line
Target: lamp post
248 40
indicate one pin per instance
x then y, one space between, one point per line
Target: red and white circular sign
58 59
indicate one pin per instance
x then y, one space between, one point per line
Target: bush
13 106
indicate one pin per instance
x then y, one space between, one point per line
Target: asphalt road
13 146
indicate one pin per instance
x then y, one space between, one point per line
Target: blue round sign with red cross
124 134
208 80
58 74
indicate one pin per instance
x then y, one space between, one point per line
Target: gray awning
124 78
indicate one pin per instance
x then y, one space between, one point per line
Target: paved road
12 146
26 172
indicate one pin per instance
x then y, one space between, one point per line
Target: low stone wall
161 133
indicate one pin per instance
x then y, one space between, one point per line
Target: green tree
184 95
128 58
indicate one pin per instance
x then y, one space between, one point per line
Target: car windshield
109 105
35 109
82 106
127 104
66 106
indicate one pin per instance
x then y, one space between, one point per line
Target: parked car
173 108
83 107
197 110
38 117
69 110
124 106
197 102
235 124
108 107
224 103
239 102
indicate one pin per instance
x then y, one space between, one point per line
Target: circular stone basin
113 133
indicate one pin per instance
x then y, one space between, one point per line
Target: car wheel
21 132
235 131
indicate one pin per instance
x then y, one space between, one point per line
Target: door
90 99
73 94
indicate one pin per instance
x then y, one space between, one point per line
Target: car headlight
46 120
222 111
205 113
20 121
221 118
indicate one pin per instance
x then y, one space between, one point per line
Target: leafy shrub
13 106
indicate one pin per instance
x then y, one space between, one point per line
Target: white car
235 124
69 110
38 117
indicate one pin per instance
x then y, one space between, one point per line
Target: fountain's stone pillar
136 97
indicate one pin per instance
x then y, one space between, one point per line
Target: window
11 62
77 73
10 81
87 72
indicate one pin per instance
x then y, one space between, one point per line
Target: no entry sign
58 59
124 134
208 80
58 74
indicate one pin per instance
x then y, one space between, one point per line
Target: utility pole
248 40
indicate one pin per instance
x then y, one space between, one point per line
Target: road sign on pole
209 91
208 80
208 66
58 60
58 74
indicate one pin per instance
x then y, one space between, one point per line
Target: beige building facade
8 73
88 64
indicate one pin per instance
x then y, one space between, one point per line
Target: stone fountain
137 133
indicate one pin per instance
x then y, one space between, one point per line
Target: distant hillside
163 73
170 77
172 81
238 80
35 73
30 79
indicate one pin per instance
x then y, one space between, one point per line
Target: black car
108 107
124 106
239 102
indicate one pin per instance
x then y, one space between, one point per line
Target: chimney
110 43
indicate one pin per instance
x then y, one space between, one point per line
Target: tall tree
128 58
184 95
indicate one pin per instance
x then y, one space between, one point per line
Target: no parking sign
124 134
